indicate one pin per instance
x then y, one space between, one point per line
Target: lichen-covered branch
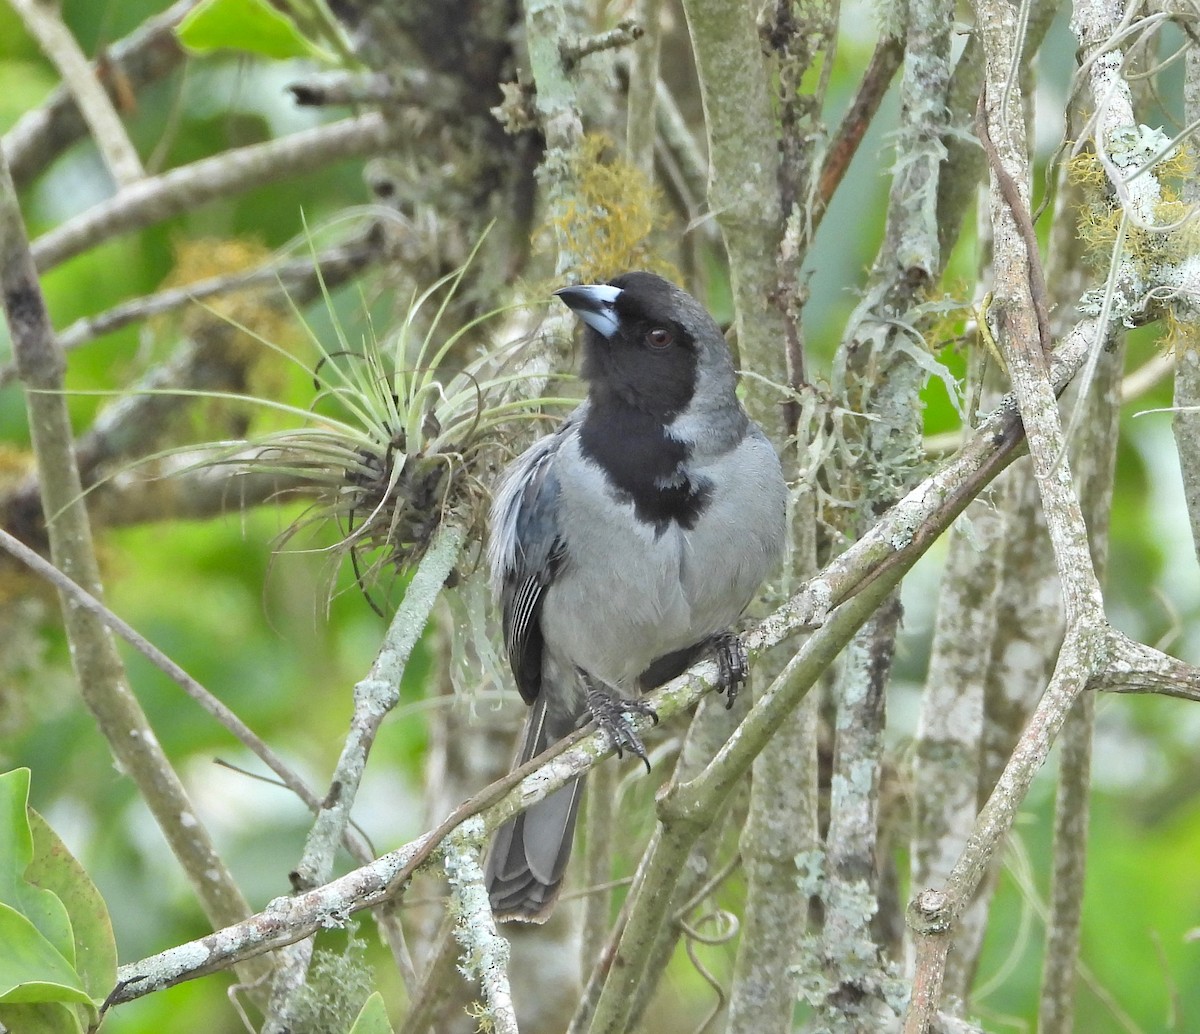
374 697
102 680
687 809
642 106
1186 422
557 112
743 185
949 743
860 989
485 952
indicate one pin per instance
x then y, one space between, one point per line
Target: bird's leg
609 713
732 666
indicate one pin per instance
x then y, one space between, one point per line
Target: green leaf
31 968
372 1017
16 843
57 871
42 1018
249 25
56 940
41 907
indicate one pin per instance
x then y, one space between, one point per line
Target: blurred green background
258 632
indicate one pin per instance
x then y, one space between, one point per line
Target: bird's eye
659 338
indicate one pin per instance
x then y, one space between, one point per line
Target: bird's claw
732 665
609 713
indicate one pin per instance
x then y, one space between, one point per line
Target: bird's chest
638 528
627 594
639 465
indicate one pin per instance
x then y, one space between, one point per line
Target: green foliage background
258 633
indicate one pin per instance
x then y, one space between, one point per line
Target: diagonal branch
45 24
145 56
333 266
374 697
236 171
102 678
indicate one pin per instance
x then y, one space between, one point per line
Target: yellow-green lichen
612 215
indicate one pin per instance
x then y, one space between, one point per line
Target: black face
649 364
640 378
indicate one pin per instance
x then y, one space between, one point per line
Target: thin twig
146 55
236 171
102 678
621 35
45 24
886 59
356 843
86 601
1020 213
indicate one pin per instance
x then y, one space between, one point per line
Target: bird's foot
610 714
732 665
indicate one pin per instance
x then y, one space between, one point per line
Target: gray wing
527 552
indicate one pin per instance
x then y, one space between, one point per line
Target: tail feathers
530 852
529 857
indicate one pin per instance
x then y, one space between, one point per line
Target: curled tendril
727 927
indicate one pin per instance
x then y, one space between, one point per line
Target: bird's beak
595 304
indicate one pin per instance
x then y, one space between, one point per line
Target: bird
623 546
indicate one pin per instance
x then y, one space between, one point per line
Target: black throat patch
644 465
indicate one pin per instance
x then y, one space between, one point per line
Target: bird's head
652 346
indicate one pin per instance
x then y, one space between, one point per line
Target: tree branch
374 697
485 951
335 266
150 53
236 171
107 130
743 186
100 674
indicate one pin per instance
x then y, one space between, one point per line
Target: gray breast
632 592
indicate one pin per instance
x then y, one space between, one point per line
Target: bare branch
108 132
150 53
101 676
885 61
187 187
